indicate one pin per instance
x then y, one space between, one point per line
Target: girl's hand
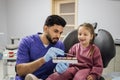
90 77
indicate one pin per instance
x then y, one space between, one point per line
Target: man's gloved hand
53 52
61 67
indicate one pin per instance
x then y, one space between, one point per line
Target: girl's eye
85 34
79 34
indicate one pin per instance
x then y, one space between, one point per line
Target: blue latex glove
53 52
61 67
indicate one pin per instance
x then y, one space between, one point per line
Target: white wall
3 25
26 17
105 12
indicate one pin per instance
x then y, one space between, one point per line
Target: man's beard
50 40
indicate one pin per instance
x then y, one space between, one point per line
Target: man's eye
56 31
61 32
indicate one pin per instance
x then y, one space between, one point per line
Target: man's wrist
43 60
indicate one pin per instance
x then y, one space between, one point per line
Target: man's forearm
25 68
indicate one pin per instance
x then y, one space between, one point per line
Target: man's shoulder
59 42
30 38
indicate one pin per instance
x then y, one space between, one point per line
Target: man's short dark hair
55 19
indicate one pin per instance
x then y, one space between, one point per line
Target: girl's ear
92 36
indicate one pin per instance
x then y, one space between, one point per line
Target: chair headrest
70 39
106 45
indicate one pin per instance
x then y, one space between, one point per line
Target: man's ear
45 28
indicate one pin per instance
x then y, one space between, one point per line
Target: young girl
89 66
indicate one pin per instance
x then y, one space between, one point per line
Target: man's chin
54 42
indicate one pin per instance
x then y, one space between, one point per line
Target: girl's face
84 36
